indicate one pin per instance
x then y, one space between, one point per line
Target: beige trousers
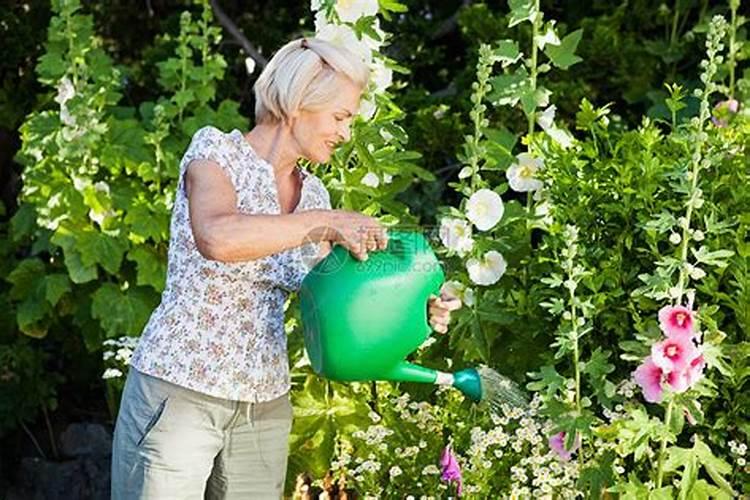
174 443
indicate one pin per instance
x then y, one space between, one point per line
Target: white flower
316 4
350 11
485 208
321 21
430 469
465 173
675 238
549 37
458 289
546 120
521 174
65 91
381 76
698 235
387 178
343 36
111 373
487 270
456 235
395 471
370 179
249 65
367 109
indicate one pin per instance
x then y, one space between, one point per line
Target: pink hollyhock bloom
557 444
723 110
649 377
673 354
694 371
451 471
676 320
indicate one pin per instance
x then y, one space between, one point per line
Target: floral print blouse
219 328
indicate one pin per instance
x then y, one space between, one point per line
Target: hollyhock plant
450 470
649 376
557 444
521 175
677 321
456 235
673 354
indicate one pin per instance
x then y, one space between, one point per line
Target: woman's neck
275 143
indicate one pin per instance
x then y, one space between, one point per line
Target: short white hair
303 75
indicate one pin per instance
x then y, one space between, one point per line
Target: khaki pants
174 443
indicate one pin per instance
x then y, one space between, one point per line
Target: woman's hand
440 310
356 232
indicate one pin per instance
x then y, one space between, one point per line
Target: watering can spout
409 372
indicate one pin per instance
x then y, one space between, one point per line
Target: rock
86 440
85 478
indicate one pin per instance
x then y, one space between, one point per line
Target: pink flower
723 110
451 471
676 320
694 371
649 376
557 444
674 354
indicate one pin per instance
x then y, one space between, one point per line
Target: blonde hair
302 75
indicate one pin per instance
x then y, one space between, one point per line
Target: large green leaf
563 56
122 312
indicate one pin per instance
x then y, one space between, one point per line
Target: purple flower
557 444
451 471
723 110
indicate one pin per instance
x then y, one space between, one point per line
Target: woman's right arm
222 233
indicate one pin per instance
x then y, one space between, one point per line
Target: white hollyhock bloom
456 235
249 65
521 174
321 21
350 11
549 37
65 91
367 109
546 120
381 76
344 36
371 179
316 4
485 208
487 270
458 289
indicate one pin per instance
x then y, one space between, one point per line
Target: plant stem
51 435
533 68
674 23
663 446
33 439
734 5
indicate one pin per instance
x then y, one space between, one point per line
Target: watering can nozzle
469 382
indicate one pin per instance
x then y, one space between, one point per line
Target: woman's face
319 132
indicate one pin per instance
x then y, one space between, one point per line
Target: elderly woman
205 410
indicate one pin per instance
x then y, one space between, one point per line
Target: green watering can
363 318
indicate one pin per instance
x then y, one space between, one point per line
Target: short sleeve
210 143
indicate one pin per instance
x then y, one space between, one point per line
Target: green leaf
121 313
151 269
506 52
563 55
77 270
56 285
520 11
102 249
